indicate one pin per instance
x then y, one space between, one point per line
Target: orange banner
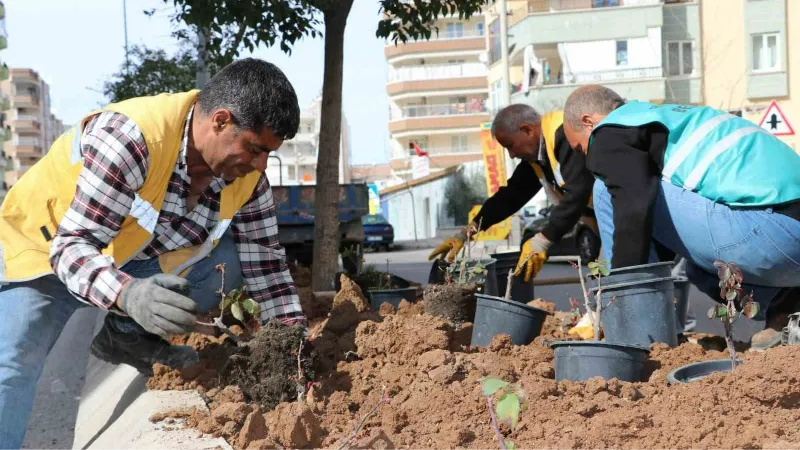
494 160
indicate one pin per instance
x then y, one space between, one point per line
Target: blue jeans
34 313
764 244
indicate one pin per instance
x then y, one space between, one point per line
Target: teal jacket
720 156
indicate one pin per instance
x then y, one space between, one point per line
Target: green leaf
604 270
492 384
252 307
508 409
236 310
730 295
593 265
750 310
510 445
717 311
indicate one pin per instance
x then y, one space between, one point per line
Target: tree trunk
326 225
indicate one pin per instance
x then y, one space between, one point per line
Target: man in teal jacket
702 183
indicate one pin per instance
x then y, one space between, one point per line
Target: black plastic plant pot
520 290
488 281
699 370
639 312
393 296
581 360
636 273
682 286
496 315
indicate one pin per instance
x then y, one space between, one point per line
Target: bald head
518 129
591 99
511 118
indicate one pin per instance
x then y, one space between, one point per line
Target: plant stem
729 334
508 284
586 296
301 388
598 305
364 420
494 423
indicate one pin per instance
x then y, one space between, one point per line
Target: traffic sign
775 121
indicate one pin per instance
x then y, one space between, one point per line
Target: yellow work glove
452 245
532 256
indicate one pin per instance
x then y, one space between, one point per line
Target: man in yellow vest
552 165
130 211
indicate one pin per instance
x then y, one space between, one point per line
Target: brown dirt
431 378
451 302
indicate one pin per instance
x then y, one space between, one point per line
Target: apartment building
33 127
751 50
643 49
437 97
296 161
5 129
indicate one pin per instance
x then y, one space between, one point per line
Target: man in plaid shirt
242 114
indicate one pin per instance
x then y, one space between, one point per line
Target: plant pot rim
393 290
512 302
641 266
632 283
597 344
672 379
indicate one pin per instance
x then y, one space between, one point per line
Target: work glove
533 256
452 245
160 304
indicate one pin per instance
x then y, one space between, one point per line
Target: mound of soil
425 367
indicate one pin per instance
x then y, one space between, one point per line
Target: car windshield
373 219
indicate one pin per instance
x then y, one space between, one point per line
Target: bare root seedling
236 302
730 283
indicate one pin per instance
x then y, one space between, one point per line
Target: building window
622 53
455 30
480 28
496 95
459 144
494 41
680 58
765 52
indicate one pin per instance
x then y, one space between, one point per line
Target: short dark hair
258 95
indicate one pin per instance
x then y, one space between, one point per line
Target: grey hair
591 99
509 119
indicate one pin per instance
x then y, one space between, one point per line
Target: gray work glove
160 304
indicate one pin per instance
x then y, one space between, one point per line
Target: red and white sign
774 121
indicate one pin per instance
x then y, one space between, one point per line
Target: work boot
786 302
139 349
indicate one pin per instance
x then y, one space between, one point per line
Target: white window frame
764 49
680 58
616 53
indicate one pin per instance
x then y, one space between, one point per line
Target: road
71 374
414 265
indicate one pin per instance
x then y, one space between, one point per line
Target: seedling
235 302
511 403
457 272
598 269
738 303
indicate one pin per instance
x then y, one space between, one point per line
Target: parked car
378 232
582 240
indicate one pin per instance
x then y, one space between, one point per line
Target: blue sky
77 44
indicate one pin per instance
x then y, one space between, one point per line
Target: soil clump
452 302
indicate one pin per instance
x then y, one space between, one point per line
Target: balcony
4 72
551 21
438 77
445 41
442 116
646 84
27 124
25 75
26 101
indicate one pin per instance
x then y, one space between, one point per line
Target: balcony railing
436 72
29 117
28 142
26 100
434 151
447 35
544 6
477 106
601 77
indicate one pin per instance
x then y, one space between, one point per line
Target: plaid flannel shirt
116 163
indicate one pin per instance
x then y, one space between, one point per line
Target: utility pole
515 236
201 76
125 28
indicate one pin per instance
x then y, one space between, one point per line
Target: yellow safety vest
35 205
550 123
